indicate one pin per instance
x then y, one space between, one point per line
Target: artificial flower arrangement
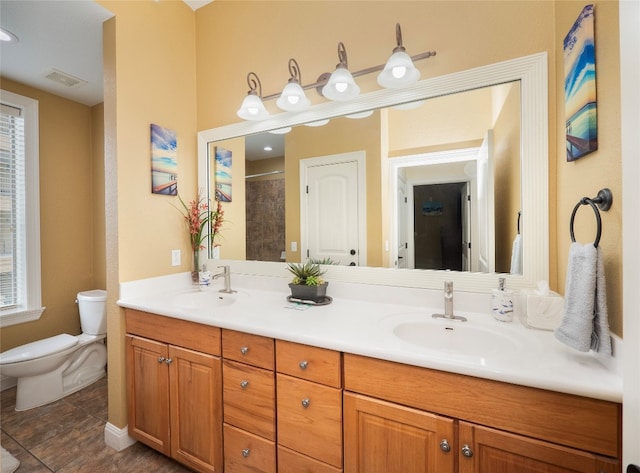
204 224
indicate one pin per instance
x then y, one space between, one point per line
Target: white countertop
361 320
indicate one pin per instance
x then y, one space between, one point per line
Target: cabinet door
381 437
485 450
196 409
148 392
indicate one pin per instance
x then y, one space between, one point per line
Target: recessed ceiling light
8 36
268 148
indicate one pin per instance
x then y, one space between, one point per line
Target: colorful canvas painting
224 160
164 163
580 87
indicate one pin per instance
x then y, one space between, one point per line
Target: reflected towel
585 323
516 255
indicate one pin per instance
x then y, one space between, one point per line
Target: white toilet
50 369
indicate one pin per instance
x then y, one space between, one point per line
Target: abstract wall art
580 87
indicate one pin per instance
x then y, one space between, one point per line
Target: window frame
31 309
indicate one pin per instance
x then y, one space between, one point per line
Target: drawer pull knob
161 359
466 451
168 361
305 403
244 350
244 383
246 452
444 446
303 364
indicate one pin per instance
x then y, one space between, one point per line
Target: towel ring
603 200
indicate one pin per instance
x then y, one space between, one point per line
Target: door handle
633 469
352 264
352 252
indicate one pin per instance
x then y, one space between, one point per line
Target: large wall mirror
446 172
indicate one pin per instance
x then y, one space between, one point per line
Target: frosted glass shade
341 86
398 72
293 98
252 108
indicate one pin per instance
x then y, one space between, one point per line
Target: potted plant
307 283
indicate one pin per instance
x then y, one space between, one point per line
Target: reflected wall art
224 159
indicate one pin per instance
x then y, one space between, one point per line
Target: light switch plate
175 257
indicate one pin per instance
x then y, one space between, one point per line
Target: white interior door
332 224
402 226
486 218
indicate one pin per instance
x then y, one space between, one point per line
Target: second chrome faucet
226 274
448 304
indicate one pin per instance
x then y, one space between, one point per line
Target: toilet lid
38 349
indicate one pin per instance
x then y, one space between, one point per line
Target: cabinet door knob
303 364
168 361
305 402
244 350
246 452
444 446
466 451
161 359
244 383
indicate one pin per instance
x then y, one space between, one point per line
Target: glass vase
195 272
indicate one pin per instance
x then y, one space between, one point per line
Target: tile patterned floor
67 436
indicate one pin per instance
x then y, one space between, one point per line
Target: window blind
12 206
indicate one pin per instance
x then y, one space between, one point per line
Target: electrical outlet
175 257
294 246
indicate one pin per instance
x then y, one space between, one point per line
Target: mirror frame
531 71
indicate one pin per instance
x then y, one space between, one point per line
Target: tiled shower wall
265 219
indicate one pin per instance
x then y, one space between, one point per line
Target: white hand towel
585 323
516 255
8 463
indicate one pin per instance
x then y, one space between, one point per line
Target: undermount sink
457 337
203 299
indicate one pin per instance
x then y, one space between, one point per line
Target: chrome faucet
448 304
226 274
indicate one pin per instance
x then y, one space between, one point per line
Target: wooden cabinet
309 406
249 403
174 390
381 437
497 427
486 450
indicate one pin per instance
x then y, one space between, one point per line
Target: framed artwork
164 163
224 159
580 87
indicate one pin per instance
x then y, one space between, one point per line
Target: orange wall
71 256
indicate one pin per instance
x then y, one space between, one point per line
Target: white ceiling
62 35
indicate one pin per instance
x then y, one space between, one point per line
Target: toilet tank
93 311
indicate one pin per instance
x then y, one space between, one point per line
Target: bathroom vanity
248 382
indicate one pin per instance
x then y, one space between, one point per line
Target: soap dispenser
502 302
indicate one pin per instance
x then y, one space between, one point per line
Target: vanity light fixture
399 70
293 98
341 85
252 107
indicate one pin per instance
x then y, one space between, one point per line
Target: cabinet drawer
292 462
310 419
249 398
245 452
247 348
311 363
182 333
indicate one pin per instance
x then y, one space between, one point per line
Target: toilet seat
38 349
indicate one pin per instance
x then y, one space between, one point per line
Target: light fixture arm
254 83
294 70
399 47
342 55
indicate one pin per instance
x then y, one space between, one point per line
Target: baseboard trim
116 438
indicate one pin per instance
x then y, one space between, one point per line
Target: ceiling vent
65 79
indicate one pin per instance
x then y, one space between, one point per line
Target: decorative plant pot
309 293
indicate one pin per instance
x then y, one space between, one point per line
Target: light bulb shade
398 72
252 108
341 85
293 98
